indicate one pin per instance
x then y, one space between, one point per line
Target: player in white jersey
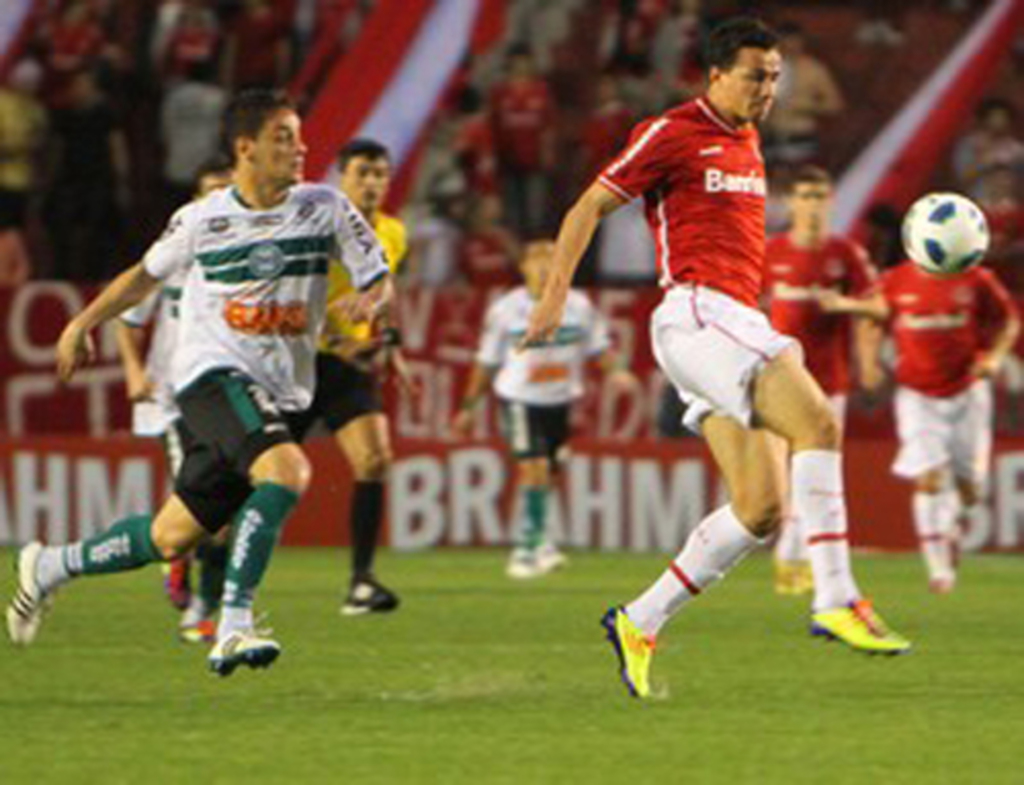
155 415
535 389
251 310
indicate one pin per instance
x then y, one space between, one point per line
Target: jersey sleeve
172 252
646 161
860 273
494 340
142 314
358 247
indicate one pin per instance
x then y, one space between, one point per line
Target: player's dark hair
809 174
248 111
992 105
726 41
362 148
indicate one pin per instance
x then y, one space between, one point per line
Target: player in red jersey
952 334
699 170
804 261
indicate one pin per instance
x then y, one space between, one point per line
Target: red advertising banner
68 467
631 495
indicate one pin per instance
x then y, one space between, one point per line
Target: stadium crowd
85 183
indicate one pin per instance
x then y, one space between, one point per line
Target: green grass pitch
481 680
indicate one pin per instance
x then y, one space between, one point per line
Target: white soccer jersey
153 417
548 375
255 293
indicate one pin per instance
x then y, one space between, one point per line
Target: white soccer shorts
938 432
711 347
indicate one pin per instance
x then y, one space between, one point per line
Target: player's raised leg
754 474
128 544
790 403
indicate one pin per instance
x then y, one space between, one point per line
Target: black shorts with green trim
229 421
344 392
534 431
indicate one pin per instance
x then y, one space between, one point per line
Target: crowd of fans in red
110 112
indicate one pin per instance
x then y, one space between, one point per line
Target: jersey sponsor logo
219 224
708 151
267 318
935 321
273 219
265 260
717 181
548 373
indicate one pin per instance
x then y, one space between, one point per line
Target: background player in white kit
952 334
156 416
251 311
535 390
700 172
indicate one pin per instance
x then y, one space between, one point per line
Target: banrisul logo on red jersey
717 181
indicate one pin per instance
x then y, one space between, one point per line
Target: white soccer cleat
30 602
523 565
549 558
242 648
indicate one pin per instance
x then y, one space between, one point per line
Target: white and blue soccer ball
945 233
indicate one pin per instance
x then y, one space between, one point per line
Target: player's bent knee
288 467
374 465
826 432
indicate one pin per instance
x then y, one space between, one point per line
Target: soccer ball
945 233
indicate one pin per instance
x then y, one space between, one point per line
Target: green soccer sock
213 560
536 503
127 545
257 528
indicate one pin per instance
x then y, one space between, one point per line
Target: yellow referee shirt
391 234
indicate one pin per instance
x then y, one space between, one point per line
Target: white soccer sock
792 543
714 547
234 620
934 518
819 502
55 565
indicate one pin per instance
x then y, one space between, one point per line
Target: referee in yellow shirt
348 390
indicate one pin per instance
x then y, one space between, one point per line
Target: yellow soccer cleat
633 648
859 627
793 578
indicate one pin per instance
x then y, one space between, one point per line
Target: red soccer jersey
703 186
522 113
794 275
941 325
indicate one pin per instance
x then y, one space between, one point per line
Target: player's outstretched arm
130 341
873 306
577 230
868 335
75 348
476 388
989 363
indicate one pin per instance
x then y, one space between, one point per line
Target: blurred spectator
992 143
676 49
634 24
257 51
607 128
807 93
434 242
22 133
186 34
523 123
489 252
882 23
190 127
71 43
89 186
1000 199
474 143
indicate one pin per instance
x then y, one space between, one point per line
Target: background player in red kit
801 263
699 170
952 334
